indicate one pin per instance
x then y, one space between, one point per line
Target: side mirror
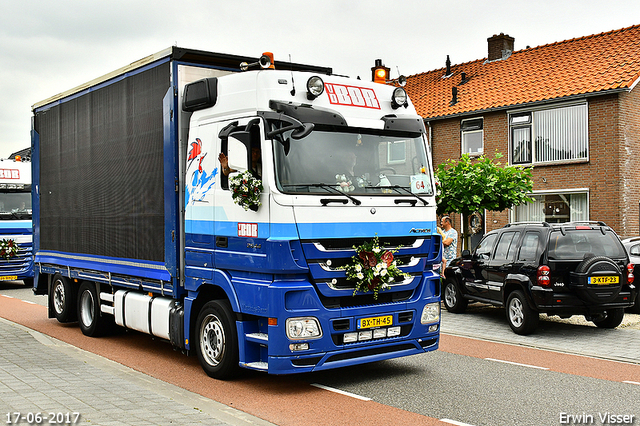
302 132
237 151
466 254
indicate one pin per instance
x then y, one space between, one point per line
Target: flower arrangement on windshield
246 190
8 249
373 268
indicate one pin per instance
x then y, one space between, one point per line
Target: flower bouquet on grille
8 249
373 268
246 190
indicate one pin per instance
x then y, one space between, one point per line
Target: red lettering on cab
351 96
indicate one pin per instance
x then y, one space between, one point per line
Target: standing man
449 242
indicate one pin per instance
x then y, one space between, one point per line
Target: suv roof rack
583 222
545 224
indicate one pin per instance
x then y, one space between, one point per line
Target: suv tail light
544 280
630 276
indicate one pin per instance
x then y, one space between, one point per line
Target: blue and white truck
16 259
332 263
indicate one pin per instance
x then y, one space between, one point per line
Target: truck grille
18 264
327 257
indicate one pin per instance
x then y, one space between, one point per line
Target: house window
397 152
554 208
472 136
549 135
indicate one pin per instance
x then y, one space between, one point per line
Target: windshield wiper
329 188
402 189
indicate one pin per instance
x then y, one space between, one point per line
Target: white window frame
473 131
531 125
512 214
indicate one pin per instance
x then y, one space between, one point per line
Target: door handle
222 242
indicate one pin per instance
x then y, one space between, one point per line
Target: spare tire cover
598 266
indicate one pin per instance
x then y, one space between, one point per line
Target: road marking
353 395
516 363
630 382
453 422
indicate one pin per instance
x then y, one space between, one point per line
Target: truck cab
16 261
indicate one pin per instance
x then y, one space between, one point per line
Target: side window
483 251
506 245
240 144
529 247
635 250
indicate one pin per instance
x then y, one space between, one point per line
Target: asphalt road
468 381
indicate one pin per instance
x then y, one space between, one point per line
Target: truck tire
452 297
522 319
63 299
613 319
91 321
216 340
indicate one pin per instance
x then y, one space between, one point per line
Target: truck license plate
606 280
375 322
9 278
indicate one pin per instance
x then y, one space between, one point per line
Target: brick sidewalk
39 374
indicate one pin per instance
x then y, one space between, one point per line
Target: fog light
298 347
365 335
433 328
350 338
430 313
379 333
303 328
393 331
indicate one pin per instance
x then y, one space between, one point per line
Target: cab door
241 232
474 269
501 264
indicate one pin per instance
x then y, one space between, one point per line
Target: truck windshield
354 161
15 205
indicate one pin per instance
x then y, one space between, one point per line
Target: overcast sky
48 47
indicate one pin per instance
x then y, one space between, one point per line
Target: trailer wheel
91 322
216 340
63 299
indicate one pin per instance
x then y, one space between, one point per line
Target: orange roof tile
592 64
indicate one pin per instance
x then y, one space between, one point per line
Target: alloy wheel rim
515 312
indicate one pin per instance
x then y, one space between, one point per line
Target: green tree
474 185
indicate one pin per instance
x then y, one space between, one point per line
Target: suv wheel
612 320
522 319
453 300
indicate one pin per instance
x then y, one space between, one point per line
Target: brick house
571 109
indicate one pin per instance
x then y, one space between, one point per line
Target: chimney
500 47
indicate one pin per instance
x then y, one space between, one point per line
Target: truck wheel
63 299
91 322
452 297
216 340
614 318
522 319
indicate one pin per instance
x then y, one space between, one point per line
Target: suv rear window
576 243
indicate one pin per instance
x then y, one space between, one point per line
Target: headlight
430 313
399 98
315 87
303 328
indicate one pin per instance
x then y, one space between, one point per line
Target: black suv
575 268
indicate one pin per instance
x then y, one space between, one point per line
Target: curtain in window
578 206
521 145
561 133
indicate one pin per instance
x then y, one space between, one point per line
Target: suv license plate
375 322
603 280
